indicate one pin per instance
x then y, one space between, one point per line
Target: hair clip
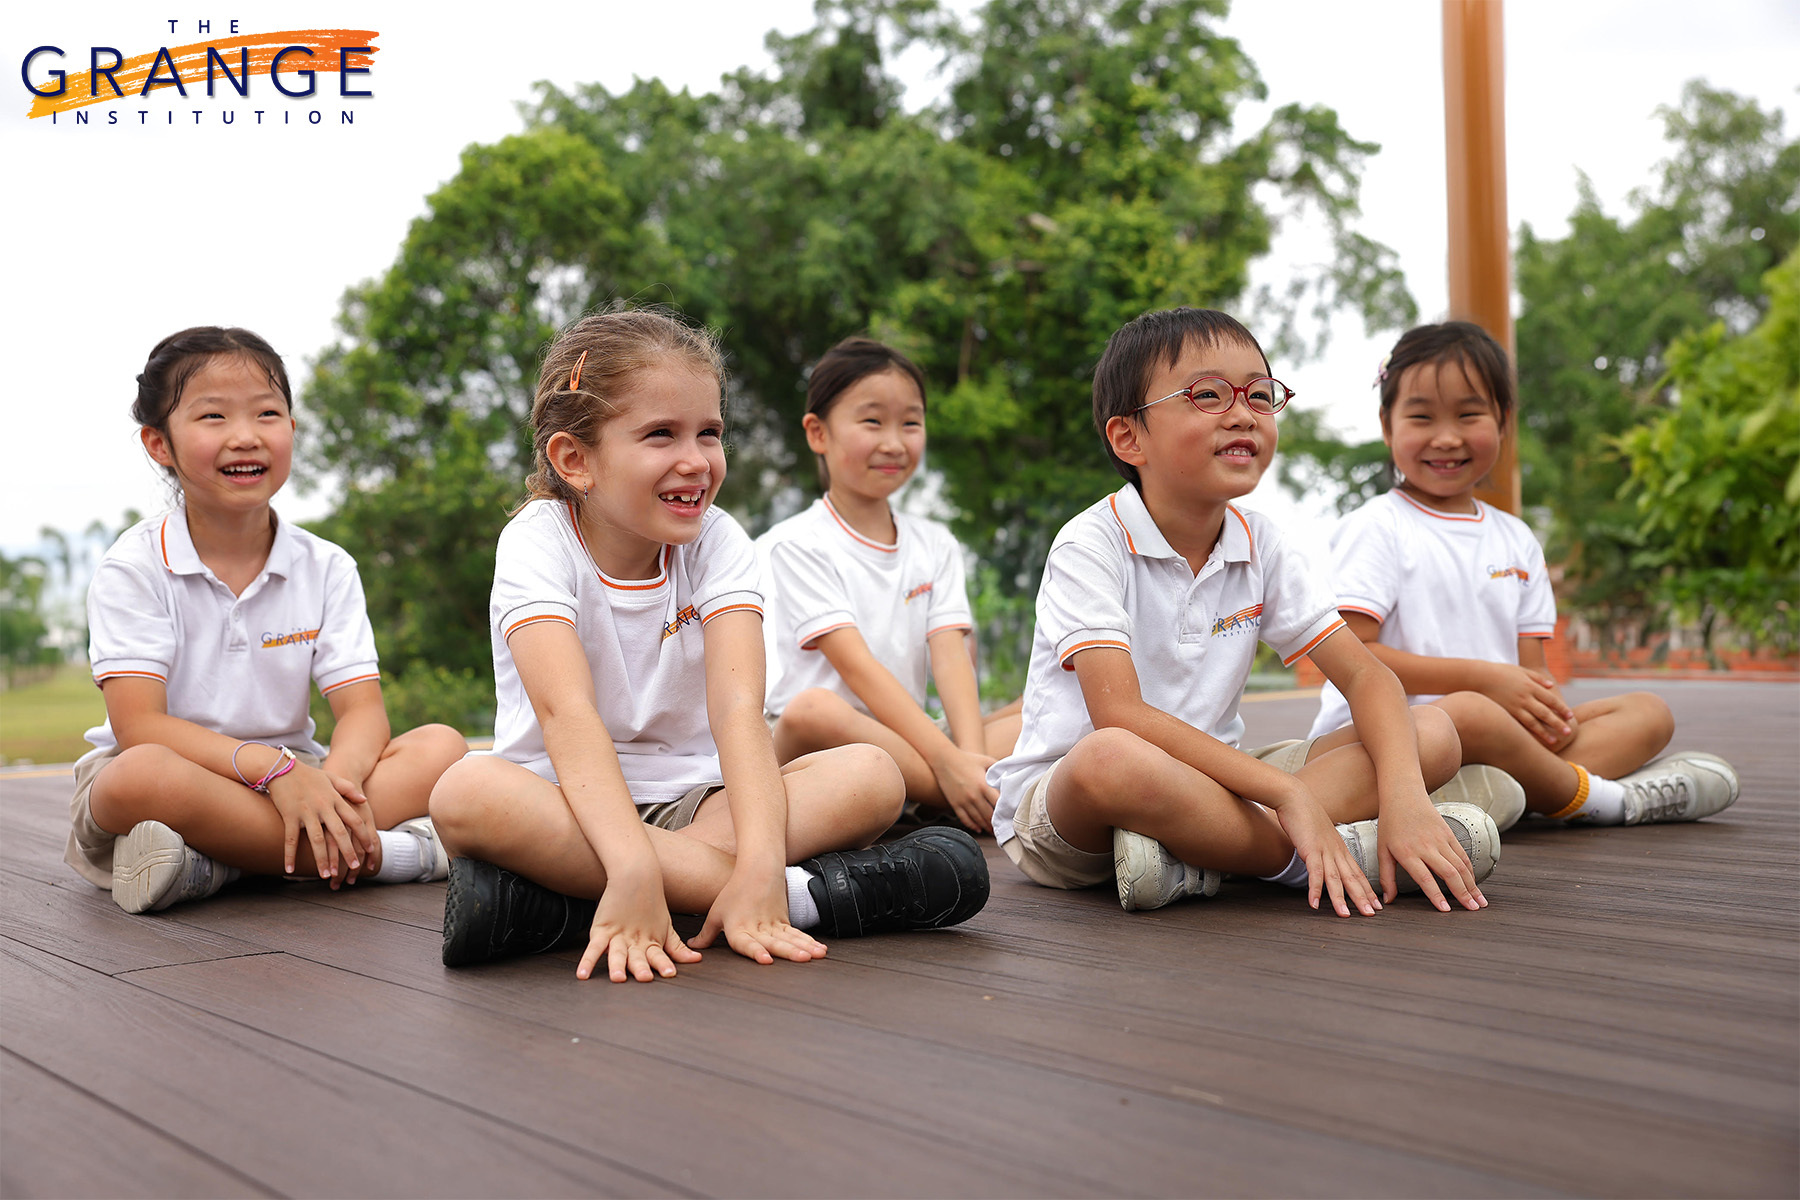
1381 370
575 375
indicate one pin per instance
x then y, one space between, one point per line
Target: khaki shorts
90 849
1039 851
678 814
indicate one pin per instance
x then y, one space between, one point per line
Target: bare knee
1651 713
813 720
1440 749
463 804
440 745
1102 770
874 790
1473 714
133 787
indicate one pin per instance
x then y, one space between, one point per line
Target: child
631 761
1452 595
207 627
862 596
1147 622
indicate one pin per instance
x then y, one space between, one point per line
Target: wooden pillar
1475 152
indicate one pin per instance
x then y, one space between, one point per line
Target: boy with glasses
1148 616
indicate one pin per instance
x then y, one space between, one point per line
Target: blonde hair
591 363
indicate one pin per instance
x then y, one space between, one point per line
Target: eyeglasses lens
1217 395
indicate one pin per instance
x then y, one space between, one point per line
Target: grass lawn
43 722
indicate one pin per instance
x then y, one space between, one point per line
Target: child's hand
1533 701
631 930
309 799
962 777
1413 837
1329 864
752 910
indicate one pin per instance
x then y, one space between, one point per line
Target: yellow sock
1581 795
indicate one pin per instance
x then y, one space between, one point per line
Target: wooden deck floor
1623 1020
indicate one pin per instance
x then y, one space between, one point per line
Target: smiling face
873 435
229 438
1189 455
1443 432
656 467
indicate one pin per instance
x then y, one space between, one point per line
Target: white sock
802 912
1293 875
402 857
1597 801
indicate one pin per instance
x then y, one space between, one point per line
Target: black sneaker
493 913
927 879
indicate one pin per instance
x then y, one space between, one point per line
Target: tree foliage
1082 168
24 634
1715 481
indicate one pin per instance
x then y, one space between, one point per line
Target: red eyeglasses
1211 394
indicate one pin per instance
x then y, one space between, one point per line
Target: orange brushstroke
190 64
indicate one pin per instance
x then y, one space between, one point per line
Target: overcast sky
116 236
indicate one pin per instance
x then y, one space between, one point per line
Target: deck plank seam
249 1181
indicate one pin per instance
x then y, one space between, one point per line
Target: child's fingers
637 961
741 941
340 836
1427 884
678 950
1315 878
596 948
709 930
316 835
784 941
1390 886
1334 885
659 961
290 842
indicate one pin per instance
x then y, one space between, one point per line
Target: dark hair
850 361
1462 342
181 356
610 347
1123 373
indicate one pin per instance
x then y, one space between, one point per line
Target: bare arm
362 730
1109 685
1411 836
953 670
887 699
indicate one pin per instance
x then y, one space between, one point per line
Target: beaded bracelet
285 760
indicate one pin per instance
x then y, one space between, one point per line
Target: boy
1147 621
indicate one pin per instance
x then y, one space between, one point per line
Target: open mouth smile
244 472
684 503
1240 451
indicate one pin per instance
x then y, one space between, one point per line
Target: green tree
1082 169
24 634
1715 481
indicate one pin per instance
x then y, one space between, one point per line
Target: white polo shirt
1445 585
244 665
823 575
1112 579
642 638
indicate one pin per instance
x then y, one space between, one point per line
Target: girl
1453 595
631 762
863 597
206 627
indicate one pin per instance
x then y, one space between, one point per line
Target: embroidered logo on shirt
921 590
1243 621
1518 573
299 636
687 615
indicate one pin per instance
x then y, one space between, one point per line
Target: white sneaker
435 859
153 868
1490 789
1150 877
1473 828
1679 787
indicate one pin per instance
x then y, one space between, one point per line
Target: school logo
1245 620
921 590
297 638
1518 573
238 71
686 615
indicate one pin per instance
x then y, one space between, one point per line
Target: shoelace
1660 797
884 887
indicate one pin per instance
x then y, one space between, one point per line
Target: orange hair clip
575 375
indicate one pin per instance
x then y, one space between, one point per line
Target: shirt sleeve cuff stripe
1306 649
1077 648
540 617
717 612
811 640
326 691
